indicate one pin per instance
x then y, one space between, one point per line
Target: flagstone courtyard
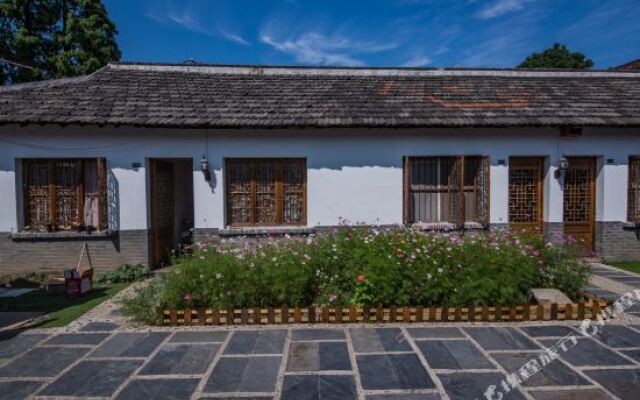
102 356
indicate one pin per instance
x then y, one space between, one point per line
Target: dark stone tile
405 396
19 344
159 389
453 354
267 341
78 338
465 386
42 362
236 398
244 374
553 374
200 337
317 334
185 359
631 281
309 387
624 383
18 390
393 371
605 294
435 333
618 336
373 340
635 354
318 356
586 394
588 352
501 339
99 327
550 331
92 378
130 345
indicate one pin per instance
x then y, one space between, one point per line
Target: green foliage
557 56
360 266
56 38
124 273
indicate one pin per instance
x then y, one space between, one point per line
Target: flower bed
364 267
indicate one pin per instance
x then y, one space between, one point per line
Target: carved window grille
447 189
266 191
525 190
634 189
64 194
577 195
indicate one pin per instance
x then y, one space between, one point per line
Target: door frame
593 167
152 163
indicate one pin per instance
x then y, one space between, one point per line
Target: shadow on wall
113 207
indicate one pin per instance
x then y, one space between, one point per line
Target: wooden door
526 176
580 200
162 211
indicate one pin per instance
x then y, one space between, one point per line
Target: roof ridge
364 71
50 82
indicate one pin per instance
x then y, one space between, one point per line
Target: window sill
61 236
630 225
266 230
447 226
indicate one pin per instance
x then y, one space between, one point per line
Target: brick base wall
18 257
616 243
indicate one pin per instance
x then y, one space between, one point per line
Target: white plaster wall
354 174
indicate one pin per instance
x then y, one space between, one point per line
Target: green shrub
364 266
124 273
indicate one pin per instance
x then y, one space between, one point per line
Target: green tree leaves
54 39
557 56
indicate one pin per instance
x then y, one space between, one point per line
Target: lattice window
634 189
266 191
446 189
525 180
64 194
577 195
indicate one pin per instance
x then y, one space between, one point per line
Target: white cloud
189 20
417 61
501 7
316 48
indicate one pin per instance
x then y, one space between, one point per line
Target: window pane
91 195
239 197
266 192
429 189
37 193
67 175
293 186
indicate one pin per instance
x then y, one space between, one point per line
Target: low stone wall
617 242
23 255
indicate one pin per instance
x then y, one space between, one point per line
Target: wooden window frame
52 225
456 187
279 191
633 214
528 163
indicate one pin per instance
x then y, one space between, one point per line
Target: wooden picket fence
588 309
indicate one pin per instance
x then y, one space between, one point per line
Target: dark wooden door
162 211
580 200
526 175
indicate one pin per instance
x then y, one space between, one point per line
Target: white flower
429 277
439 270
273 259
218 275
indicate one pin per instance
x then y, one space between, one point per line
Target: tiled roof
632 66
277 97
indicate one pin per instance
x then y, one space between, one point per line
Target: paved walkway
97 358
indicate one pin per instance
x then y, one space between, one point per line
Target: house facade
134 158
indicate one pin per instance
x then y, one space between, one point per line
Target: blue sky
431 33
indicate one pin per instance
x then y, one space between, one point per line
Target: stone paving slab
414 362
99 327
92 378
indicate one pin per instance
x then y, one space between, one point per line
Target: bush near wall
365 266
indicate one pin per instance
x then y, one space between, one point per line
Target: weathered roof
631 66
214 96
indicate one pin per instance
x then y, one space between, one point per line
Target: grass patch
60 310
632 266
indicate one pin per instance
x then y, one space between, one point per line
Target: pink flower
535 253
361 278
186 297
332 298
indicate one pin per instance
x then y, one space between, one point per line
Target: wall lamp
204 167
563 166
